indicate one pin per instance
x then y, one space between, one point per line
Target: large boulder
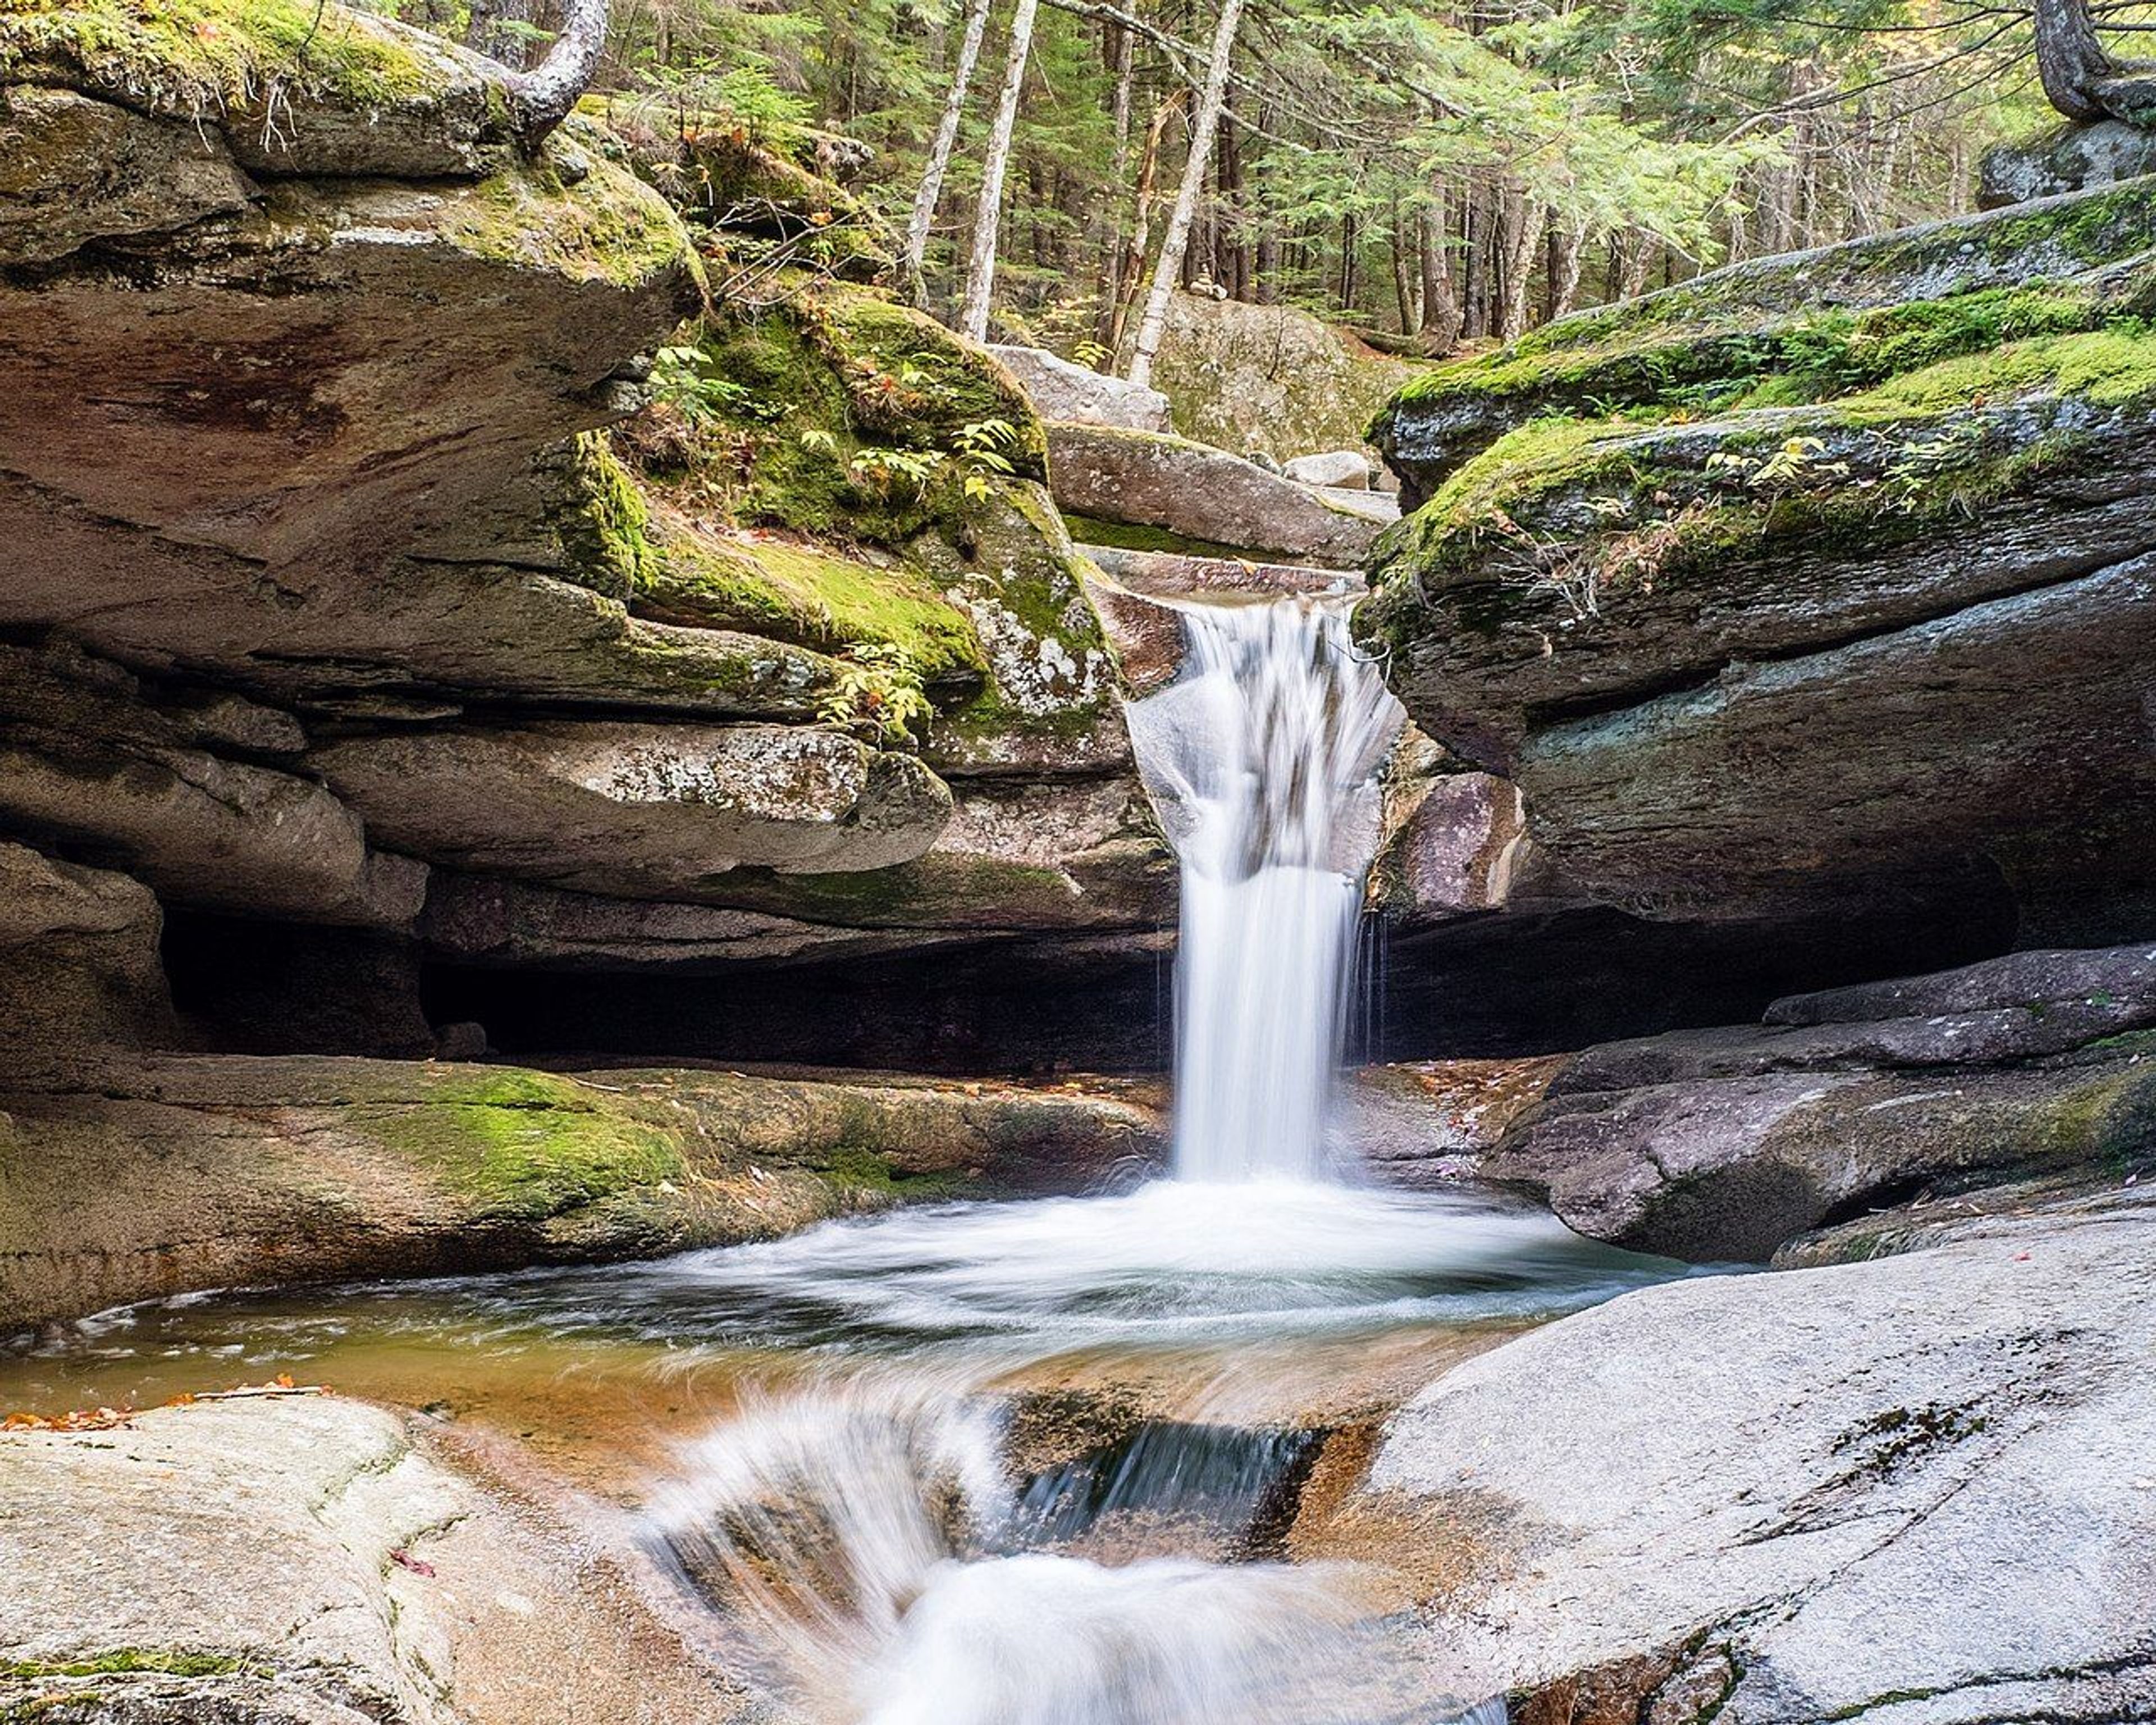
1268 379
78 955
1725 1144
1063 390
2076 157
1190 492
1913 1491
1865 632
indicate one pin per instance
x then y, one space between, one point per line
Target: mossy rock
738 179
798 592
1794 331
574 213
296 88
1652 500
523 1147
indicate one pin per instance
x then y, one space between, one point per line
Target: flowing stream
1034 1463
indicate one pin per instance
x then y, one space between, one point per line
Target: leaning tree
2080 76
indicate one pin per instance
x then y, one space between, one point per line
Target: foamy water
870 1532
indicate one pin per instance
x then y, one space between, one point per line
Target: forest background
1428 176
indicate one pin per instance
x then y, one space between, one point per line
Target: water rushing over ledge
1263 758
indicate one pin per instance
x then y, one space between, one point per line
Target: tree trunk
1522 229
2070 59
1121 60
981 272
1568 240
1134 254
939 155
1476 302
1404 282
540 99
1440 305
1203 125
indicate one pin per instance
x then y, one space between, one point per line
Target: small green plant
680 381
884 470
981 446
1795 464
1915 469
878 692
1091 355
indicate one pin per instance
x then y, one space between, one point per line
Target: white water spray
1263 758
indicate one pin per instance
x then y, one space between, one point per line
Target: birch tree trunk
1522 229
1205 124
939 157
981 272
1570 246
1141 238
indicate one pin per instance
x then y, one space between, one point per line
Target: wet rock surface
333 1564
1911 1490
136 1179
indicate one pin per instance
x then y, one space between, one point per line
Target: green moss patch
201 56
162 1660
869 1174
817 597
523 1145
1646 500
600 520
596 223
1128 535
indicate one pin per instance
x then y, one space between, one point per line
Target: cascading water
1263 757
860 1524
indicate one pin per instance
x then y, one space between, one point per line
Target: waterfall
1262 758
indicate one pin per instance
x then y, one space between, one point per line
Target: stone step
1167 574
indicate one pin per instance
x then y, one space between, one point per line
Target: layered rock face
1817 591
359 686
334 619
